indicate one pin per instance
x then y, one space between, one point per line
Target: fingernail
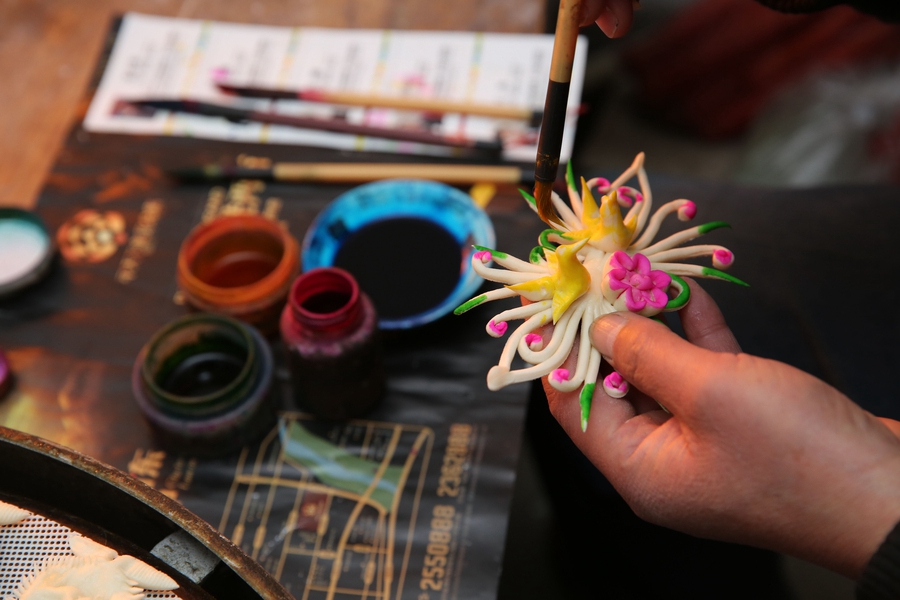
604 332
608 23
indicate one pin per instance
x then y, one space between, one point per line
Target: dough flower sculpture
592 262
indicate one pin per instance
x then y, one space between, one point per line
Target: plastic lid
26 250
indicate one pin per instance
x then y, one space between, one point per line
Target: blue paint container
408 243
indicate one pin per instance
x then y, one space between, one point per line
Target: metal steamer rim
71 492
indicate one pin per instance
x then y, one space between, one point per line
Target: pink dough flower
533 338
483 255
615 385
498 328
687 211
722 258
629 195
642 287
560 375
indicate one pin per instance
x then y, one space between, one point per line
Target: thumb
654 359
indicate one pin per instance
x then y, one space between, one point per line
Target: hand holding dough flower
593 262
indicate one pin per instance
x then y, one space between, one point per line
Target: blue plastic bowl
441 204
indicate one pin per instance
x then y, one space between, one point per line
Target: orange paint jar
241 266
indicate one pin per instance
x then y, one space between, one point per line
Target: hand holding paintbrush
614 18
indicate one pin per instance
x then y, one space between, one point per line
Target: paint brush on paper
333 125
554 119
428 105
339 173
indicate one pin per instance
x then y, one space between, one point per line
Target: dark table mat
73 338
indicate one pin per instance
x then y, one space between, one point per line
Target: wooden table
48 49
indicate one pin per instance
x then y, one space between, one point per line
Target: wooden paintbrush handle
568 22
351 173
554 120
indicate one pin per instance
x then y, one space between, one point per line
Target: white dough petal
82 546
145 576
10 514
94 573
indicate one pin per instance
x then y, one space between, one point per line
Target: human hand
754 451
613 17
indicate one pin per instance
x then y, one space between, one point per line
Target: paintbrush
554 120
358 172
333 125
428 105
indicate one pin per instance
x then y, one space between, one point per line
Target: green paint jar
203 382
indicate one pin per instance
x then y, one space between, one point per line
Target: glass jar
241 266
330 329
203 382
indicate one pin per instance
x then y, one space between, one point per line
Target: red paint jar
241 266
330 329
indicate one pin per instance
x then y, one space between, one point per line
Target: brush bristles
544 203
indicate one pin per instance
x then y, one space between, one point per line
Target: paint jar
26 251
241 266
6 378
203 382
330 329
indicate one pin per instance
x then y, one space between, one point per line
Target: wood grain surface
48 49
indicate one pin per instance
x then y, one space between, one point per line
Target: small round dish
407 242
26 250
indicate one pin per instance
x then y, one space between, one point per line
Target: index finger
704 324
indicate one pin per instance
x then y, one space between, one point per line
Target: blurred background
729 90
722 90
